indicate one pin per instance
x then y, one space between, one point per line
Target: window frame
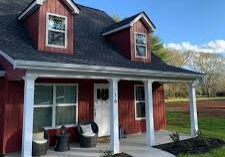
136 101
54 105
47 30
146 45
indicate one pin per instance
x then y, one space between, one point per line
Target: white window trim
47 29
135 103
146 46
54 126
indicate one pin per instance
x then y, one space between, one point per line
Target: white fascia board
142 15
116 30
7 57
35 3
40 2
73 6
35 65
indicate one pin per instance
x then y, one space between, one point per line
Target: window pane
141 39
141 51
43 95
56 22
140 110
42 117
140 93
65 115
56 38
66 94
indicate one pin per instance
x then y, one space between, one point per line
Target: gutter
47 66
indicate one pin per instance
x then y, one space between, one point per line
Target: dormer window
140 45
56 33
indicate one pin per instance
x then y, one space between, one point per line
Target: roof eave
142 15
36 65
37 3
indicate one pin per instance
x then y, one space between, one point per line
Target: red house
61 63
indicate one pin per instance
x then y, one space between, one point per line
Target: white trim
54 105
142 15
35 3
47 66
135 103
7 57
69 3
146 45
116 30
65 32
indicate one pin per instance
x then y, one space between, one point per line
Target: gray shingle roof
90 47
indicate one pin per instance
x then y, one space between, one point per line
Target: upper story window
140 45
56 31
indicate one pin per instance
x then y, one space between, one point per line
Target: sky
197 25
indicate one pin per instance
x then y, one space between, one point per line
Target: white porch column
193 109
114 116
29 82
150 132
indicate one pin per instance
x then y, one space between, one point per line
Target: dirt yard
215 108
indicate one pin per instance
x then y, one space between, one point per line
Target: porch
133 145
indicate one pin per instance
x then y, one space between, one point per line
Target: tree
116 18
157 47
212 65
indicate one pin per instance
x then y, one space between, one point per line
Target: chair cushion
40 141
89 134
39 136
87 129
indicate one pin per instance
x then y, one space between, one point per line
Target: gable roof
128 22
90 47
35 4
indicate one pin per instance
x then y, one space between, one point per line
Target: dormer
50 25
131 36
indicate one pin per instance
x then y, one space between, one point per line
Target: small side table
62 142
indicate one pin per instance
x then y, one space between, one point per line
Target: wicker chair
88 141
39 149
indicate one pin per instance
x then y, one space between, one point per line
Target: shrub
175 137
106 153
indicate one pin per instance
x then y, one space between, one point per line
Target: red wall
13 103
36 26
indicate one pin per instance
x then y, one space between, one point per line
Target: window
140 45
139 101
55 105
56 33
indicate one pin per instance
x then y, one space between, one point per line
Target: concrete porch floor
133 145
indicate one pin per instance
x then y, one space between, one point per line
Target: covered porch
115 145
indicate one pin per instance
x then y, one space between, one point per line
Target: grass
209 126
187 99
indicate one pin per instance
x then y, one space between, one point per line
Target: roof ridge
89 7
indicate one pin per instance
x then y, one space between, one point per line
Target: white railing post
29 82
114 116
193 109
150 132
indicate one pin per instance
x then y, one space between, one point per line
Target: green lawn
209 126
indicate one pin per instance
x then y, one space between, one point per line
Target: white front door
101 108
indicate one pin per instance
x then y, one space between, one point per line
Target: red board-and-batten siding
36 26
124 40
12 109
